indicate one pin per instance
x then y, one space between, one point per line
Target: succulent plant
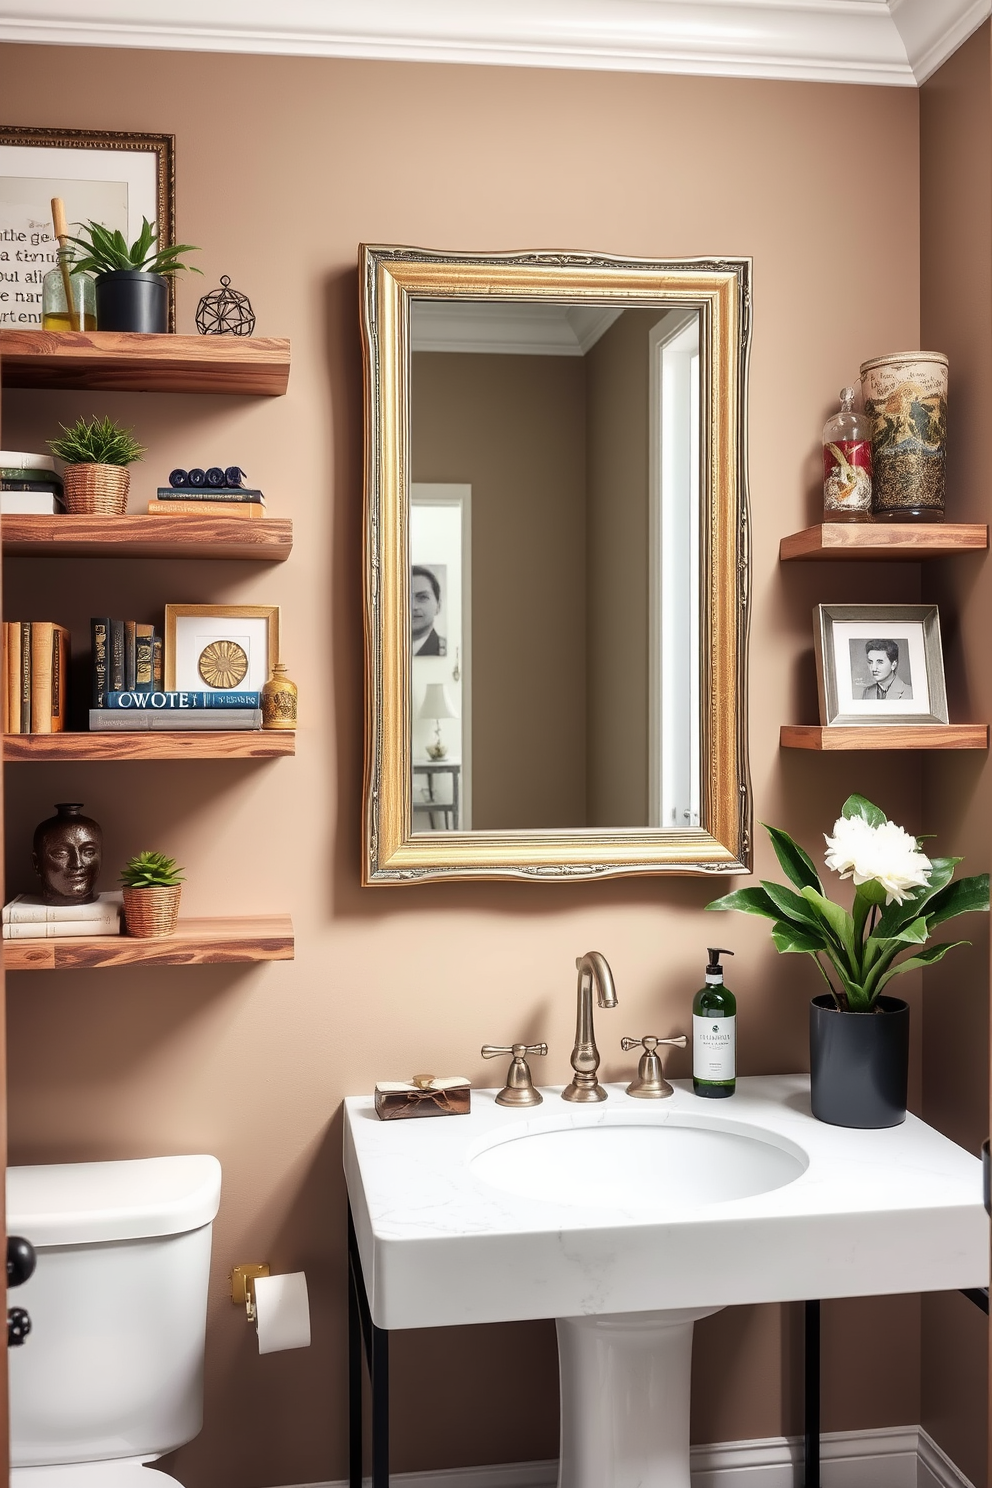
151 870
96 442
105 252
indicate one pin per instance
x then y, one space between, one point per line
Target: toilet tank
113 1366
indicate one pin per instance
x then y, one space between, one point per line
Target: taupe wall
956 292
513 428
284 165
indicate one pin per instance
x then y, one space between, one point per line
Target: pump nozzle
715 952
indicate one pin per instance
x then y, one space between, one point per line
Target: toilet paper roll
282 1308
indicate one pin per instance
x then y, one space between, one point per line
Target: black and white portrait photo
428 628
881 670
879 664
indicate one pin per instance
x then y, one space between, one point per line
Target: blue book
155 702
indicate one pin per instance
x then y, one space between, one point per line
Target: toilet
111 1375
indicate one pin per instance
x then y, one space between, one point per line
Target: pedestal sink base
625 1399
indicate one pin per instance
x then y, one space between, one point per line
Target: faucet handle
651 1043
650 1082
519 1088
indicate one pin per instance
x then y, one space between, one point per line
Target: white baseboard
894 1457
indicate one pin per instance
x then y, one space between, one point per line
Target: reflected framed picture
103 176
878 664
220 648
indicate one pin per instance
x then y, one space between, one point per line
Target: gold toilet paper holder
243 1280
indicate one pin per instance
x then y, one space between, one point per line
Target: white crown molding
930 34
508 328
890 42
897 1457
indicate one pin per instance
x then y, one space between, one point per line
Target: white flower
886 854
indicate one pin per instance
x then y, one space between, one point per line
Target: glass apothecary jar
847 464
55 311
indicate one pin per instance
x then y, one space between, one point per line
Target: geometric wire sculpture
225 312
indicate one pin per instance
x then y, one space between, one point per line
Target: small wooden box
425 1095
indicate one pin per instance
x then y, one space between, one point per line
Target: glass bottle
847 464
714 1033
279 700
54 302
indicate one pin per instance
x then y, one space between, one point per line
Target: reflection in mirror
554 546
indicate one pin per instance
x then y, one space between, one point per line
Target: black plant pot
859 1063
129 300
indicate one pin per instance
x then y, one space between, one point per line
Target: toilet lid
122 1472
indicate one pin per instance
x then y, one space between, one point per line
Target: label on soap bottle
714 1048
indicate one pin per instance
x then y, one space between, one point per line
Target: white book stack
28 917
29 485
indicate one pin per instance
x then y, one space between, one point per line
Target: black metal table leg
362 1332
380 1407
354 1377
811 1396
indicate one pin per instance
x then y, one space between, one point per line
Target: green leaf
963 897
149 870
106 252
795 863
748 901
927 957
840 922
790 906
894 916
915 933
788 937
859 806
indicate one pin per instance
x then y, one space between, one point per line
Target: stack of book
208 501
28 484
127 657
36 667
126 712
28 917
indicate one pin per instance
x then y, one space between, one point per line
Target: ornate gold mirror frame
719 289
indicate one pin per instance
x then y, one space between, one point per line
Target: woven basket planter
151 912
99 490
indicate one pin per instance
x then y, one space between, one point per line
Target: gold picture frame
719 291
214 627
155 175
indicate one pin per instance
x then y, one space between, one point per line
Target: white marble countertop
897 1210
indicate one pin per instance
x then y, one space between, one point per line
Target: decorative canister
905 396
96 490
280 697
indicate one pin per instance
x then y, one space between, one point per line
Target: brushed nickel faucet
593 969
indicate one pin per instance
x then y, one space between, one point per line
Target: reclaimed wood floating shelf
886 736
881 541
123 361
151 744
196 942
267 541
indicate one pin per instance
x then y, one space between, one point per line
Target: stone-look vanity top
824 1211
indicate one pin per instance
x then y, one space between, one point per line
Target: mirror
556 566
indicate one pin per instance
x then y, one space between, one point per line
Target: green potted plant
97 453
859 1036
152 887
132 283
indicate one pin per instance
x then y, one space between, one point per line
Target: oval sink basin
634 1165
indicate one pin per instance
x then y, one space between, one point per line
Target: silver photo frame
879 664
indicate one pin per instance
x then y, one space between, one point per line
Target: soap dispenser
714 1033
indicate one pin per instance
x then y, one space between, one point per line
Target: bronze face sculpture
68 850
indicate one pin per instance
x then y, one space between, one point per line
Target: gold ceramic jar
280 698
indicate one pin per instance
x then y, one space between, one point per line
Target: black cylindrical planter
129 300
859 1063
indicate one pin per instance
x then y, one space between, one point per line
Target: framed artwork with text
112 178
